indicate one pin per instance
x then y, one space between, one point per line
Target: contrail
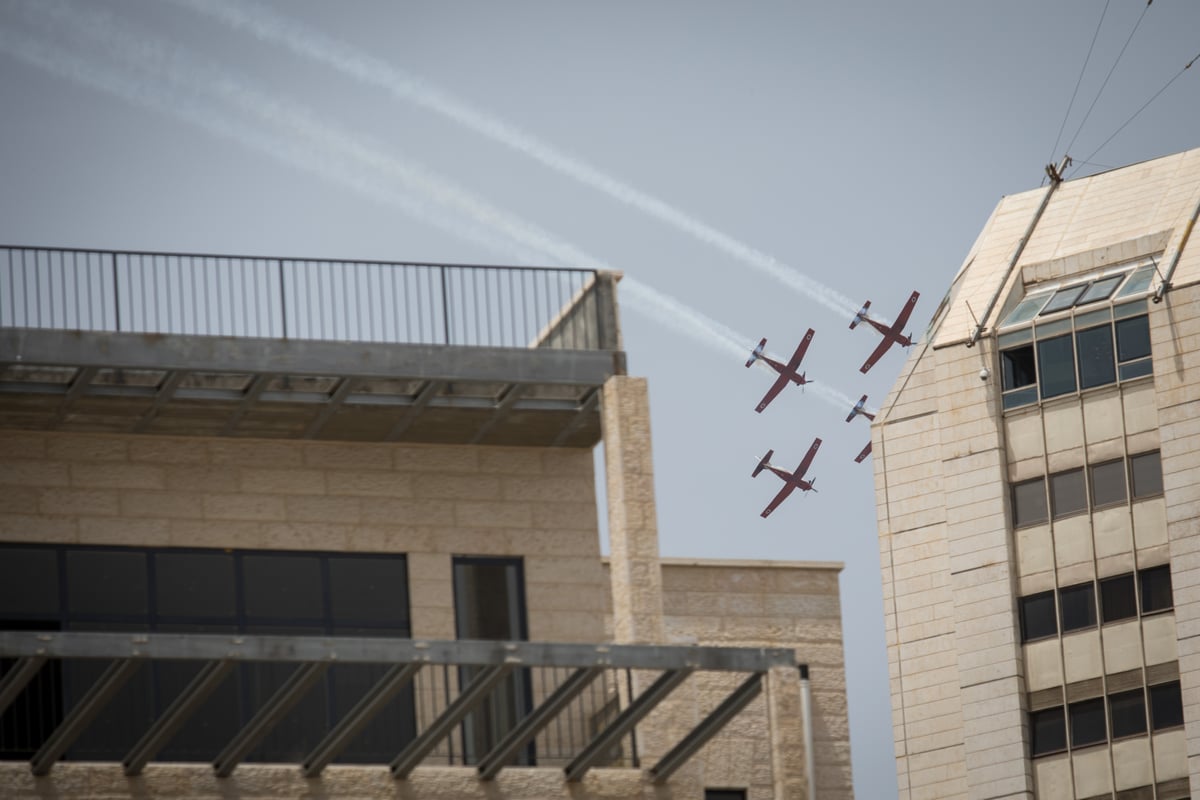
156 60
312 44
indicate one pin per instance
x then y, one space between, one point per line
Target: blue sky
860 145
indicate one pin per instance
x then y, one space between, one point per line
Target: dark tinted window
1155 586
1128 713
195 585
106 582
1038 616
1078 606
1029 502
28 582
1096 365
1056 365
1087 722
1108 483
1016 367
1166 706
369 589
282 586
1048 733
1116 598
724 794
1067 493
1133 338
1146 472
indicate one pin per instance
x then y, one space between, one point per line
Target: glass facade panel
107 582
1117 600
28 582
195 585
369 589
1056 366
1048 731
1127 711
1038 616
1017 368
282 586
1133 338
1027 309
1029 503
1155 589
1064 298
1166 706
1087 722
1145 470
1108 483
1138 282
1078 607
1068 494
1100 289
1096 365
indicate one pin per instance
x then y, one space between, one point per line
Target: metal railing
298 298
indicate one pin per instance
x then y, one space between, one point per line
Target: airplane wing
779 498
876 354
808 457
866 451
905 312
801 349
775 389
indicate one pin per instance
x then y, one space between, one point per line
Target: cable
1139 111
1112 69
1078 83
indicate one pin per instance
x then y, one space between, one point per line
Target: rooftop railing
299 298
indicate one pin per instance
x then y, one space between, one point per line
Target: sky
754 169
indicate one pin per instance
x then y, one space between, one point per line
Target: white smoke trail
268 26
155 59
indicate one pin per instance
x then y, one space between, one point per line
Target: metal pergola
312 656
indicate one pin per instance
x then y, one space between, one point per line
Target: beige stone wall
953 568
765 604
430 502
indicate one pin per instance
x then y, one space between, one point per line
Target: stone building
282 528
1039 502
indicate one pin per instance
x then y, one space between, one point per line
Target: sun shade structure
309 657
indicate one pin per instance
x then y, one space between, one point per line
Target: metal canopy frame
313 655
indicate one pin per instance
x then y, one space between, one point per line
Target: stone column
785 725
632 521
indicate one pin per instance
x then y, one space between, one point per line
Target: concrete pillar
785 723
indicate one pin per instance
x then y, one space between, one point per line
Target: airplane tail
861 315
812 487
756 352
762 463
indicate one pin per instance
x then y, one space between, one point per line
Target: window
1133 346
724 794
1117 600
1127 711
1096 366
1038 616
1067 493
1029 503
1056 356
1100 290
183 590
1078 607
1087 722
1145 473
1048 732
1064 298
1108 483
1155 587
1166 706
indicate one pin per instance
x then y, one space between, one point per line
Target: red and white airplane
858 410
891 333
787 372
791 480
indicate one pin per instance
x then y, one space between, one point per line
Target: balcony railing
299 298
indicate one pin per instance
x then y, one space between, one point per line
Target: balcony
212 345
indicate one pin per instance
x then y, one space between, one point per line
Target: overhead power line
1078 83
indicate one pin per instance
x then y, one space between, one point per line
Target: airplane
786 372
792 480
891 333
866 451
858 410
